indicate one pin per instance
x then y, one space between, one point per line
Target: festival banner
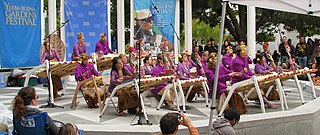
154 23
20 33
88 17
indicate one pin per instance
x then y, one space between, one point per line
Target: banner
155 21
88 17
20 33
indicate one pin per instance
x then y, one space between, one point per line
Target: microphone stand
139 81
50 102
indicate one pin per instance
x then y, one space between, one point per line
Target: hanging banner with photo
154 24
20 33
88 17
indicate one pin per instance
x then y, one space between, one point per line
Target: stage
250 123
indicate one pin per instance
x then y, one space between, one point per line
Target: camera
179 116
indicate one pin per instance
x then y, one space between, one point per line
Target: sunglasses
37 97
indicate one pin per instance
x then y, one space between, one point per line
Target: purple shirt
156 71
238 65
204 66
223 77
192 64
114 76
227 61
261 69
53 55
145 71
183 72
128 67
77 50
103 47
88 69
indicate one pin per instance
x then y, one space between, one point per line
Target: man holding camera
169 124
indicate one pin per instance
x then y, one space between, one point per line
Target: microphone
66 22
155 8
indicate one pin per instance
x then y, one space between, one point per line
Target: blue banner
161 15
88 17
20 33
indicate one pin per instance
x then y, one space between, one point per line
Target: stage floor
110 123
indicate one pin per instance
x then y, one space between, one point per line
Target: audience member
223 125
169 124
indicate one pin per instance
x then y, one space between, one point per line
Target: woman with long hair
127 98
25 104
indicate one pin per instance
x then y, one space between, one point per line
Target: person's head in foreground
224 125
232 115
25 97
169 123
69 129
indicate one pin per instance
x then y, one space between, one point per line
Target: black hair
231 114
169 123
114 64
145 59
258 58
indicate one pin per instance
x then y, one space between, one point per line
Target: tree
201 30
266 20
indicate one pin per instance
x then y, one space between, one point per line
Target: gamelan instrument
147 83
267 80
105 62
60 69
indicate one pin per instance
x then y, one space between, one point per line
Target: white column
251 29
62 20
120 26
131 22
109 23
188 24
52 16
43 20
177 29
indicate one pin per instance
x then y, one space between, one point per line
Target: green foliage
201 30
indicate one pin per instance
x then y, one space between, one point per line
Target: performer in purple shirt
127 66
127 99
50 54
261 66
241 64
79 47
161 69
227 59
148 65
202 69
84 70
183 70
102 47
224 76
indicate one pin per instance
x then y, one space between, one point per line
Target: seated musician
224 76
183 70
127 98
190 61
184 73
227 59
148 65
169 60
83 71
261 67
51 54
79 47
241 64
161 69
128 66
102 47
202 65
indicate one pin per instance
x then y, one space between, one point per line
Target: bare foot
273 106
